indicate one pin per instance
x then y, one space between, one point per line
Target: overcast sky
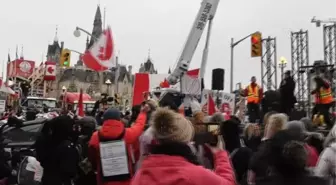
162 26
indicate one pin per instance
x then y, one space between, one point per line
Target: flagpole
3 70
15 70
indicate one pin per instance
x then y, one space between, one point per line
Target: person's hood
112 129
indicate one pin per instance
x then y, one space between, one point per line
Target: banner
228 103
20 68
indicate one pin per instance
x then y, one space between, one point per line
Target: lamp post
232 45
282 65
108 83
78 30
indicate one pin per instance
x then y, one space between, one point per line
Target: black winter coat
287 88
60 164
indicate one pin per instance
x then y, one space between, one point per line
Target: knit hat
111 114
169 126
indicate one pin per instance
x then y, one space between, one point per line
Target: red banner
20 68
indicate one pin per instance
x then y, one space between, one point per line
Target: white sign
191 85
2 105
204 100
228 103
113 157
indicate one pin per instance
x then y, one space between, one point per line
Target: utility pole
232 45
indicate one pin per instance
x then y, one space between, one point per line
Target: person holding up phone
172 160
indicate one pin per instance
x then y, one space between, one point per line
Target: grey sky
162 26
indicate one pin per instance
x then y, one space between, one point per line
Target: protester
114 130
287 87
86 174
298 129
323 99
173 133
252 136
240 155
266 120
259 163
326 166
288 162
57 152
134 115
217 118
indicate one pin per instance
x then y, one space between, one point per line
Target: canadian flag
144 82
50 71
100 56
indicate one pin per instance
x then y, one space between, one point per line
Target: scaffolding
300 58
269 64
329 42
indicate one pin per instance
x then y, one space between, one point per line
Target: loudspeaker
218 79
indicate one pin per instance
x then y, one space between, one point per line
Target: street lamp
78 30
282 65
108 83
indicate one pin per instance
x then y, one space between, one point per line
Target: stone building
78 76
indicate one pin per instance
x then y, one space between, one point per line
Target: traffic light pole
234 44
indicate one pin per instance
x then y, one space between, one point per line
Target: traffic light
256 44
65 58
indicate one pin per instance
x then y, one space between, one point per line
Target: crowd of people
159 145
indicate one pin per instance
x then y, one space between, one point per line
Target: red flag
193 73
80 104
211 106
164 84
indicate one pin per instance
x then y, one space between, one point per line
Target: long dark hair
230 131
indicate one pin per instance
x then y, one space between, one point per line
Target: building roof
53 48
148 67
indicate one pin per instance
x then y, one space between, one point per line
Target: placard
113 157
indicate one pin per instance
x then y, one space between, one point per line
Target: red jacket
112 129
174 170
313 156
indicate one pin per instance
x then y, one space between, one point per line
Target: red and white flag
50 71
143 83
100 56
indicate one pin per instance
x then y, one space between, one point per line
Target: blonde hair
276 123
267 117
248 130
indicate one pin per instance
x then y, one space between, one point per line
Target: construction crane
319 21
205 15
